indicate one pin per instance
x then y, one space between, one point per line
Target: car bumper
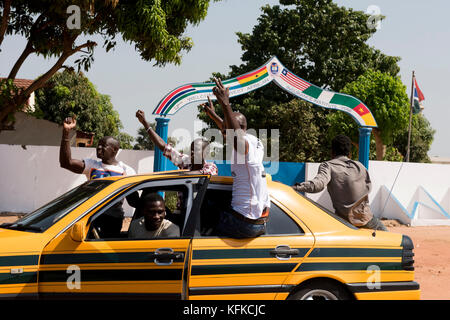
386 290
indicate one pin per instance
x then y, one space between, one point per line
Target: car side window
148 213
280 223
219 197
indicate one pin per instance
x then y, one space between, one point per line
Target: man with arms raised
250 202
109 223
196 163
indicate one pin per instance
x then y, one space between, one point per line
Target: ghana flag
199 92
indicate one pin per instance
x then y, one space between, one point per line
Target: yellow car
307 252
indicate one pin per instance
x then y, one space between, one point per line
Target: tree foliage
322 43
316 39
69 94
125 140
421 139
156 29
386 97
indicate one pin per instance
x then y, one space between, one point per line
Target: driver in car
152 224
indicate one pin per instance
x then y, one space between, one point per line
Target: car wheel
320 291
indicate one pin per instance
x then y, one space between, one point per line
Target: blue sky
417 31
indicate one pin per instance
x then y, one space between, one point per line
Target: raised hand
65 156
141 117
222 94
157 140
69 123
209 107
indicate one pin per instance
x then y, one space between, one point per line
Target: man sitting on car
152 223
348 183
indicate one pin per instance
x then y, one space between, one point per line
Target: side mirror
77 231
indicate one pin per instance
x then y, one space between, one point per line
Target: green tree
143 141
299 120
421 139
386 97
125 140
322 43
156 29
316 39
70 93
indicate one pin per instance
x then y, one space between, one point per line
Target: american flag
293 80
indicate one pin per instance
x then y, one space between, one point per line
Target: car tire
321 290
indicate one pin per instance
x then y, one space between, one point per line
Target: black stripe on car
350 266
242 268
114 275
116 257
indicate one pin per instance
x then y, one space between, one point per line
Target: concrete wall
31 131
284 172
419 196
31 176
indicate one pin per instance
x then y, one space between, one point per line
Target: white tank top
250 195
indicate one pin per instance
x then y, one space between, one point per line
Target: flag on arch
418 98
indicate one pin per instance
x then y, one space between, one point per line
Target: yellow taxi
306 253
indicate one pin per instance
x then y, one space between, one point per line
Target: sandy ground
432 257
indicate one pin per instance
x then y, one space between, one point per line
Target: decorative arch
273 70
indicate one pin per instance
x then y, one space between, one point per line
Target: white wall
420 193
32 177
29 130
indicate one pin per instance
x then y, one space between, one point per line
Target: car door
253 268
122 267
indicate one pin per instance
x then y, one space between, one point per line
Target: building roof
22 83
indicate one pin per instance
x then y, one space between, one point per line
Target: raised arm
211 112
222 94
157 140
65 154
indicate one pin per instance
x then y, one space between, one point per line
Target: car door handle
169 256
284 252
165 256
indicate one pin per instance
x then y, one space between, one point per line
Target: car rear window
332 214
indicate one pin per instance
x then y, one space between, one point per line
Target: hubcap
319 294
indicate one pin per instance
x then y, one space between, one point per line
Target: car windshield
44 217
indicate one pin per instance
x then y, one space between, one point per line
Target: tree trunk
17 101
26 52
380 147
4 19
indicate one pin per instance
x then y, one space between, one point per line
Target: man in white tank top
250 202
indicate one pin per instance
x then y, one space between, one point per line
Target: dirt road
432 259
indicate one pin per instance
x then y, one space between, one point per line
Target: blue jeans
233 227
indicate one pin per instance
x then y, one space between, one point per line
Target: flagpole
410 117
